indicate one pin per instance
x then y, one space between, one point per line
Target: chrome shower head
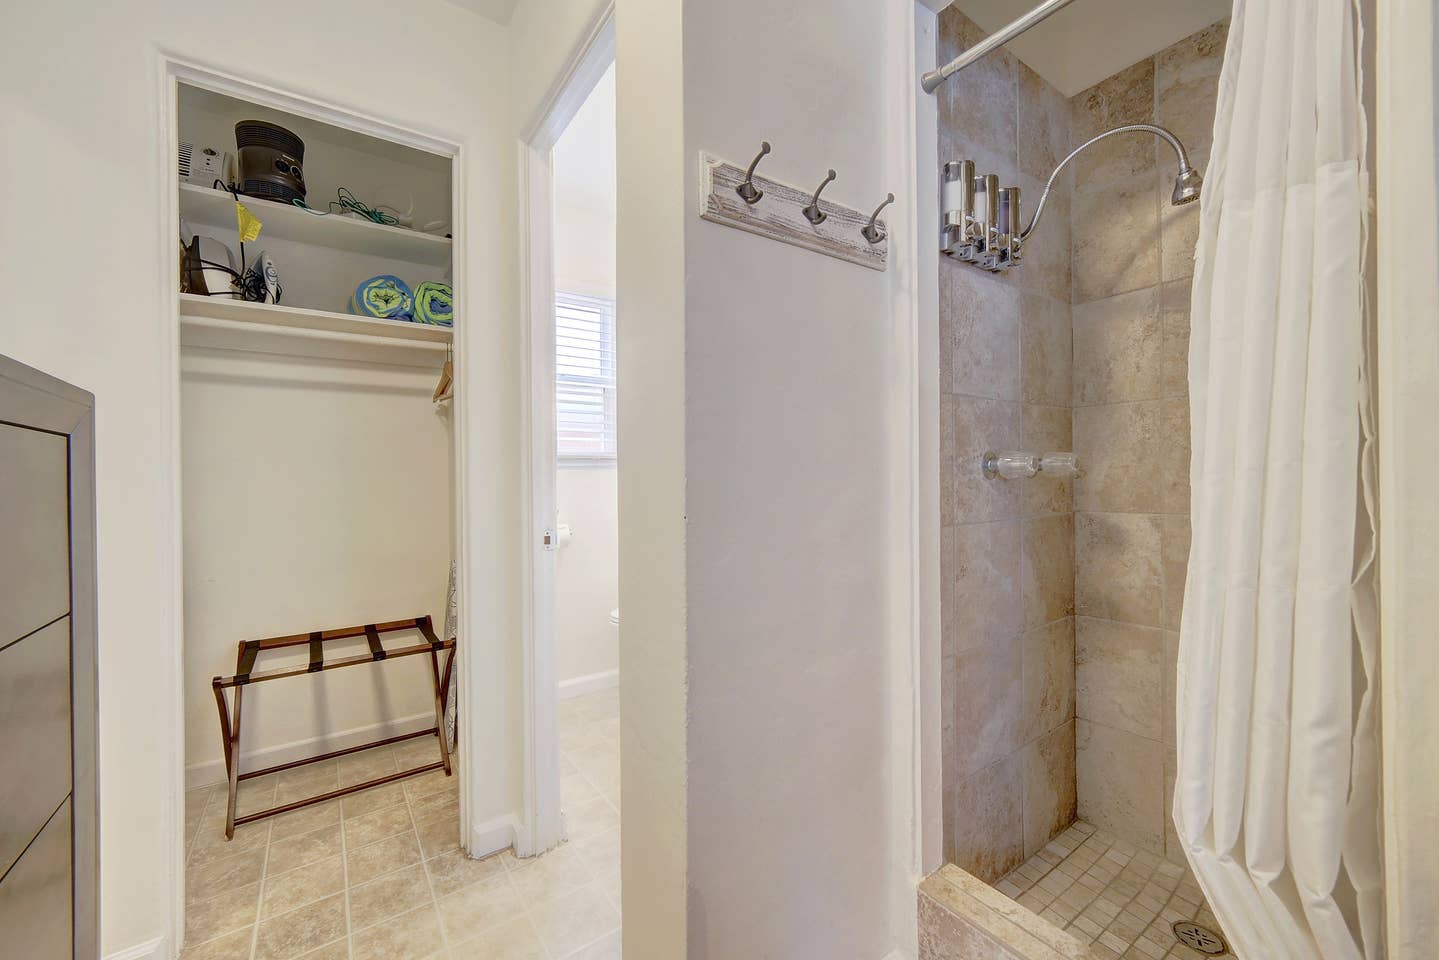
1186 186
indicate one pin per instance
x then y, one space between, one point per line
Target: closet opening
319 505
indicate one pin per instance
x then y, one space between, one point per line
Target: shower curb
962 918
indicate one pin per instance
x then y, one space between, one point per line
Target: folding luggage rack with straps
245 675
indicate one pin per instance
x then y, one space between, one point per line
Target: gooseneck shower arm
1186 184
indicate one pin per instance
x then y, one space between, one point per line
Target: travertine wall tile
1048 571
989 819
1114 229
985 345
986 597
1174 319
1186 81
1047 672
1126 97
970 426
1047 266
987 705
1117 572
1135 457
1049 787
1046 429
1132 274
1118 349
1173 850
1043 138
1117 675
1174 565
1046 349
1120 778
1005 373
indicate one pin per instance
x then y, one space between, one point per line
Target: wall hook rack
813 213
873 231
747 191
789 214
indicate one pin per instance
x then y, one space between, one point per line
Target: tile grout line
445 944
260 896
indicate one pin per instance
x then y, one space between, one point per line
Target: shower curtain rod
999 38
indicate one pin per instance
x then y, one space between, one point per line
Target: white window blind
585 414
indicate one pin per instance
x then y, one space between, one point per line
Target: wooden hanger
445 389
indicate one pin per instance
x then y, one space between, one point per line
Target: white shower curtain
1276 796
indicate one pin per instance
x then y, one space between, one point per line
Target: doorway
573 793
586 600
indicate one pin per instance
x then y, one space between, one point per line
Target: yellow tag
249 224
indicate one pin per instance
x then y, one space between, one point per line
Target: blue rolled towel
386 297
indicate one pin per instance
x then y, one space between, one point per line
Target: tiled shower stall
1062 597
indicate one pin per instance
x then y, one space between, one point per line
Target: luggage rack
245 675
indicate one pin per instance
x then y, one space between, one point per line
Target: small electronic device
209 268
271 161
202 166
261 282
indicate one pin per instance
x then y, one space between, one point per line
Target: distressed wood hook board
779 215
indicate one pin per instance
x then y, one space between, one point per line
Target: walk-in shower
982 219
1065 489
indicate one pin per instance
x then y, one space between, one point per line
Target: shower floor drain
1199 938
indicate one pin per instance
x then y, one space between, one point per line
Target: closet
316 448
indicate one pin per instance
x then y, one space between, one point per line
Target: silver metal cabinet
49 834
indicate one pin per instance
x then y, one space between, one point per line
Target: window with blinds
585 414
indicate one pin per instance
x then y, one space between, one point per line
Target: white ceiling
584 157
499 11
1093 39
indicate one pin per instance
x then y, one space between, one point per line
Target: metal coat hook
813 213
747 191
872 231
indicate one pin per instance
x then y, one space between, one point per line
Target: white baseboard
589 683
498 834
213 771
149 950
897 954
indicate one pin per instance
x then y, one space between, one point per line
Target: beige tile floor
1111 894
379 875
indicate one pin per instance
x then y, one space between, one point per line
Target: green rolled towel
434 303
386 297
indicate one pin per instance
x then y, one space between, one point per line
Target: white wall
584 248
317 494
587 574
768 427
80 183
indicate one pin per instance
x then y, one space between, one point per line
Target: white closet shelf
224 324
287 222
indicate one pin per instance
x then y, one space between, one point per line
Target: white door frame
173 69
1407 390
544 820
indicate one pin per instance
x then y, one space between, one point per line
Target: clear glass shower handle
1061 466
1011 465
1022 465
